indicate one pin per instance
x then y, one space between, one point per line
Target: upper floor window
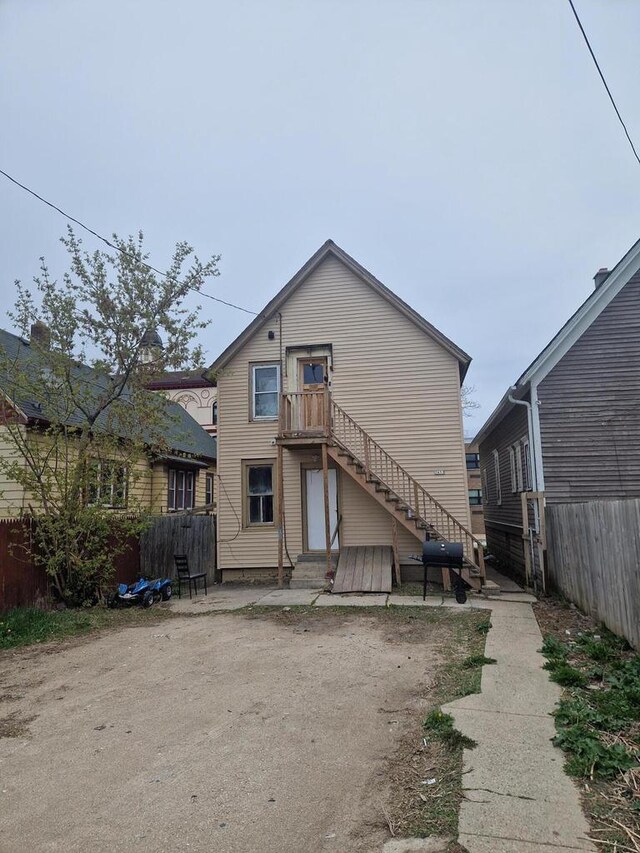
520 466
526 464
265 388
473 461
180 492
512 468
475 497
214 414
496 472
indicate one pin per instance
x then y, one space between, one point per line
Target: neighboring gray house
570 426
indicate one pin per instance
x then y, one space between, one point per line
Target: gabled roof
180 431
327 249
572 330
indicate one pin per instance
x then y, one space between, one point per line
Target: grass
429 780
598 727
24 626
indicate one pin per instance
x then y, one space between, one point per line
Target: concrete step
490 588
310 571
307 583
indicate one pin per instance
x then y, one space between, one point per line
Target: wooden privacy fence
593 552
24 584
21 582
193 535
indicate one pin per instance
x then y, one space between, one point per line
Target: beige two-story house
340 434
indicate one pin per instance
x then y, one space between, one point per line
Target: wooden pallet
364 568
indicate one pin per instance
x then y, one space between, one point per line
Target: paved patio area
230 597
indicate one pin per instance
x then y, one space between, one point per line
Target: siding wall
398 384
503 523
147 486
11 494
590 409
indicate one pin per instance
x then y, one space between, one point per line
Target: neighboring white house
194 392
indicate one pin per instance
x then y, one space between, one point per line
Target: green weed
441 726
565 674
474 661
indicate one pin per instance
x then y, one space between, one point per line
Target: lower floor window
107 484
208 491
259 494
475 497
181 489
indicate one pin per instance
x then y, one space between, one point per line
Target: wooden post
327 520
280 514
394 544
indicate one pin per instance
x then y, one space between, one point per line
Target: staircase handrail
415 486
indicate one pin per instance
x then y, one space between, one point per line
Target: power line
119 248
593 56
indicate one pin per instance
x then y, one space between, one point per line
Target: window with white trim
512 468
526 464
518 455
265 390
107 485
496 473
181 489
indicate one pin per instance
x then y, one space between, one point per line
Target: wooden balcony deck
305 418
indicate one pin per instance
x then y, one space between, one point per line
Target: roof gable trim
330 248
583 318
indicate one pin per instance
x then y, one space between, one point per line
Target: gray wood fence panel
594 559
194 536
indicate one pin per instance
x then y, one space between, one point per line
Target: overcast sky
463 151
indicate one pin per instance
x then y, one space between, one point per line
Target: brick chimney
600 277
41 335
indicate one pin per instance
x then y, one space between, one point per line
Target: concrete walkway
517 798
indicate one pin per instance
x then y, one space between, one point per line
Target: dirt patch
259 731
560 618
15 725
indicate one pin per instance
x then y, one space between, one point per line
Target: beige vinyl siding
11 493
394 380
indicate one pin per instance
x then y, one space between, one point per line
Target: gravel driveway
219 733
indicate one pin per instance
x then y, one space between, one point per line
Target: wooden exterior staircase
378 473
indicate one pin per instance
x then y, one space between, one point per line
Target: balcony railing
305 414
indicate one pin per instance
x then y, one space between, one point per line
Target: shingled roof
180 431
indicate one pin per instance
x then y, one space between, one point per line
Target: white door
315 509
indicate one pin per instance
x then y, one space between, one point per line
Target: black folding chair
185 576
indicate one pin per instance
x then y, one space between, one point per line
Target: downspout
532 445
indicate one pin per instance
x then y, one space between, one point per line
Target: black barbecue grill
444 555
